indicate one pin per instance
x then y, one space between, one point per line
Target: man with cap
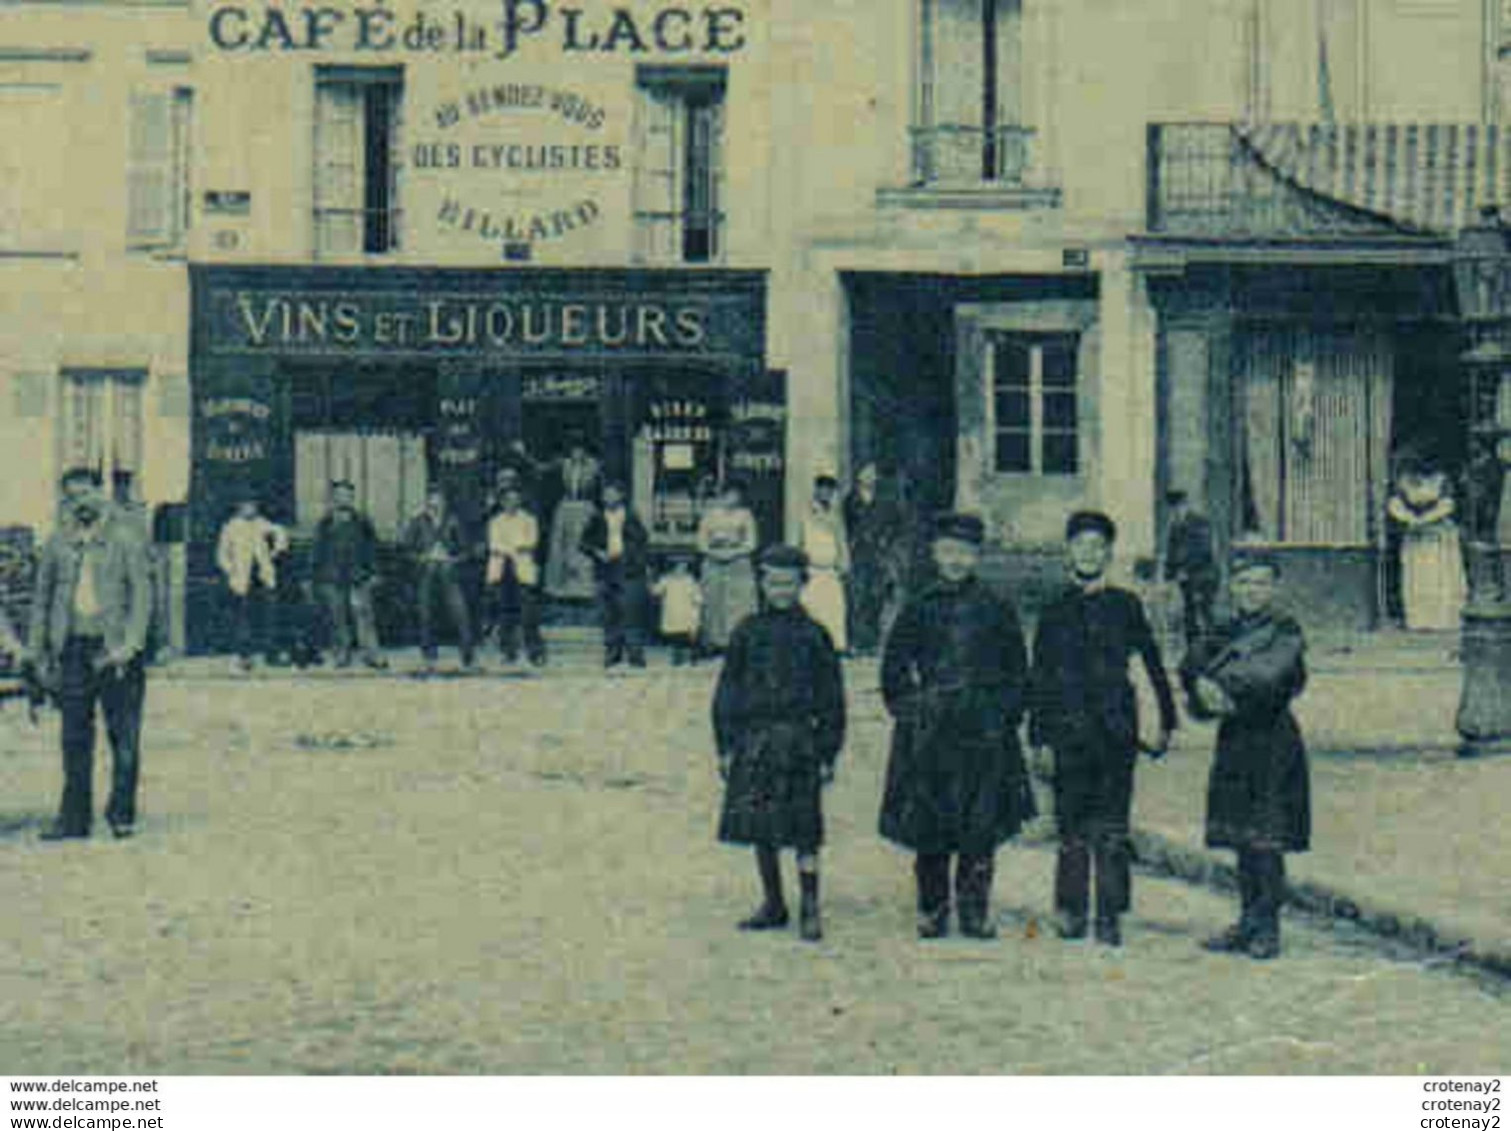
779 719
1190 563
1258 796
346 574
953 678
1082 706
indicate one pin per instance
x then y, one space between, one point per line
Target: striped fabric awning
1425 178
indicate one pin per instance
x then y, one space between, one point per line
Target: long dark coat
953 679
779 717
1259 794
1082 703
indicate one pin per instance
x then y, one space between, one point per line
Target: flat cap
960 527
1245 558
1082 521
783 556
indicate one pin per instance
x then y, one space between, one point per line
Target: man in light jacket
245 553
513 576
90 613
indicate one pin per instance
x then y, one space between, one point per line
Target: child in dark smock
1246 674
779 719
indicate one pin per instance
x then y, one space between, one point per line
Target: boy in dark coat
1258 796
779 718
616 541
953 679
1083 708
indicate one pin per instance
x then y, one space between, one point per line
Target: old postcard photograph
755 538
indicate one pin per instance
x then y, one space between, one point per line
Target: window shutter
716 179
149 185
659 173
182 149
1010 63
338 167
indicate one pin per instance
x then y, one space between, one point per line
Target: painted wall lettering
666 30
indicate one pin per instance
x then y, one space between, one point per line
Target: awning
1423 177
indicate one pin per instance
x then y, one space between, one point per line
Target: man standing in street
90 613
618 544
1191 564
245 553
952 677
434 538
1082 706
513 577
346 572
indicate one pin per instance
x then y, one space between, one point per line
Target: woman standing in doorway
727 537
1432 564
569 572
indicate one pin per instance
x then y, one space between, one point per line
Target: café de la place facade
1028 256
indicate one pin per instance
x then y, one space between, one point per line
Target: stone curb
1424 938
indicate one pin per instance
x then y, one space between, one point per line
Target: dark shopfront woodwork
403 378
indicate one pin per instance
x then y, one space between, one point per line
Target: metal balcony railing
352 231
958 155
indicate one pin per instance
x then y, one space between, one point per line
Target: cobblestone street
517 874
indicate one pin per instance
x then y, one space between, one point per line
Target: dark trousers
351 612
518 609
1093 800
120 694
683 647
440 583
1261 890
621 599
973 885
1073 873
253 621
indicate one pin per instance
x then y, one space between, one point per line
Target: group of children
958 683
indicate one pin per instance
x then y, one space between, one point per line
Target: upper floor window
158 196
357 147
1036 426
970 122
679 165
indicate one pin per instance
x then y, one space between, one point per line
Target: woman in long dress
1432 564
569 572
727 537
828 553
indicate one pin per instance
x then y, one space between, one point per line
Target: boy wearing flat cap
953 677
779 719
1258 795
1082 706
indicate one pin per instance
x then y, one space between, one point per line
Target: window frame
379 230
174 164
1035 343
121 406
697 94
1006 135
